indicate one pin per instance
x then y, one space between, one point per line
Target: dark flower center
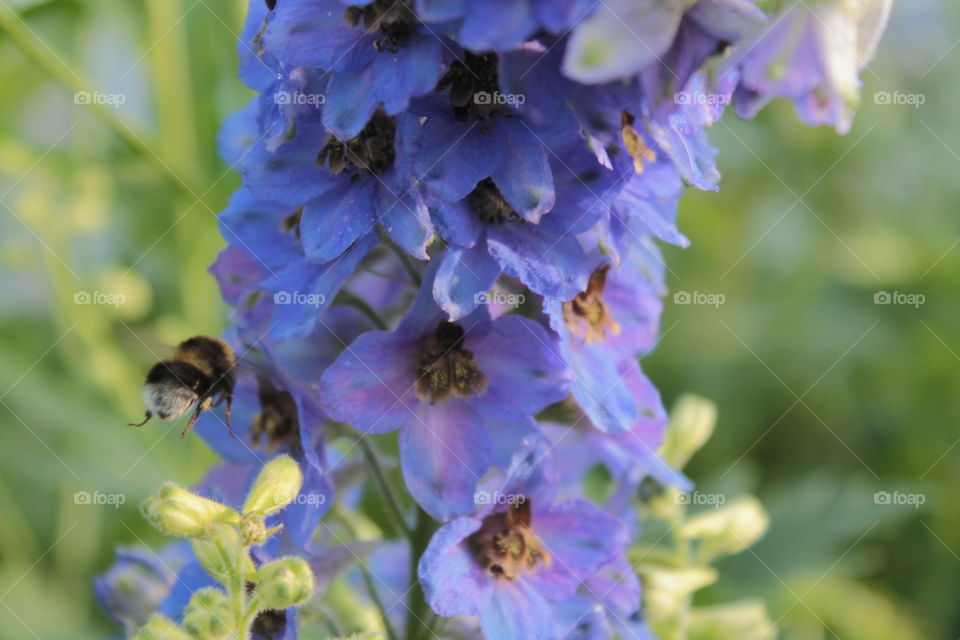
393 18
505 544
445 368
371 151
586 315
474 85
292 223
277 423
489 204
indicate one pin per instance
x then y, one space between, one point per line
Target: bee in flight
201 373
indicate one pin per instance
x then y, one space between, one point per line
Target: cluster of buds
221 538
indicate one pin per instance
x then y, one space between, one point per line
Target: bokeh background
826 395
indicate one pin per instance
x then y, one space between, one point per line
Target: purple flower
622 37
139 580
340 191
488 235
379 54
515 564
265 274
461 394
604 328
811 54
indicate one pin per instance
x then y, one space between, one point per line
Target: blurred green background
826 397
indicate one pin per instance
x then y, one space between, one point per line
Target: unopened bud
691 425
728 529
284 583
178 512
161 628
223 553
275 487
666 591
208 616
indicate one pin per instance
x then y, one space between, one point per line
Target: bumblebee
201 374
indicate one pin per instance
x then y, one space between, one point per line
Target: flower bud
744 619
284 583
161 628
666 591
178 512
208 615
223 553
728 529
275 487
691 425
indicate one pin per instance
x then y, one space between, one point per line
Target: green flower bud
691 425
223 553
728 529
284 583
745 619
666 591
275 487
161 628
208 615
178 512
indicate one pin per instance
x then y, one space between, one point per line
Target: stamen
489 204
393 18
586 315
445 368
473 82
371 151
505 545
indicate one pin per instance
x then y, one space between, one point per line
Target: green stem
236 589
373 463
418 621
350 298
35 50
368 583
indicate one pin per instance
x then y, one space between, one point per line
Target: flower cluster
448 229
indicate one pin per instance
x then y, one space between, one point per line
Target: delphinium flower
404 163
812 54
460 394
513 563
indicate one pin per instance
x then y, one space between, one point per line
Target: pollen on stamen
445 368
586 316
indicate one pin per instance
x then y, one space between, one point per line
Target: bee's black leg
193 420
140 424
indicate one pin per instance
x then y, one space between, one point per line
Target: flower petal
463 276
370 386
444 451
